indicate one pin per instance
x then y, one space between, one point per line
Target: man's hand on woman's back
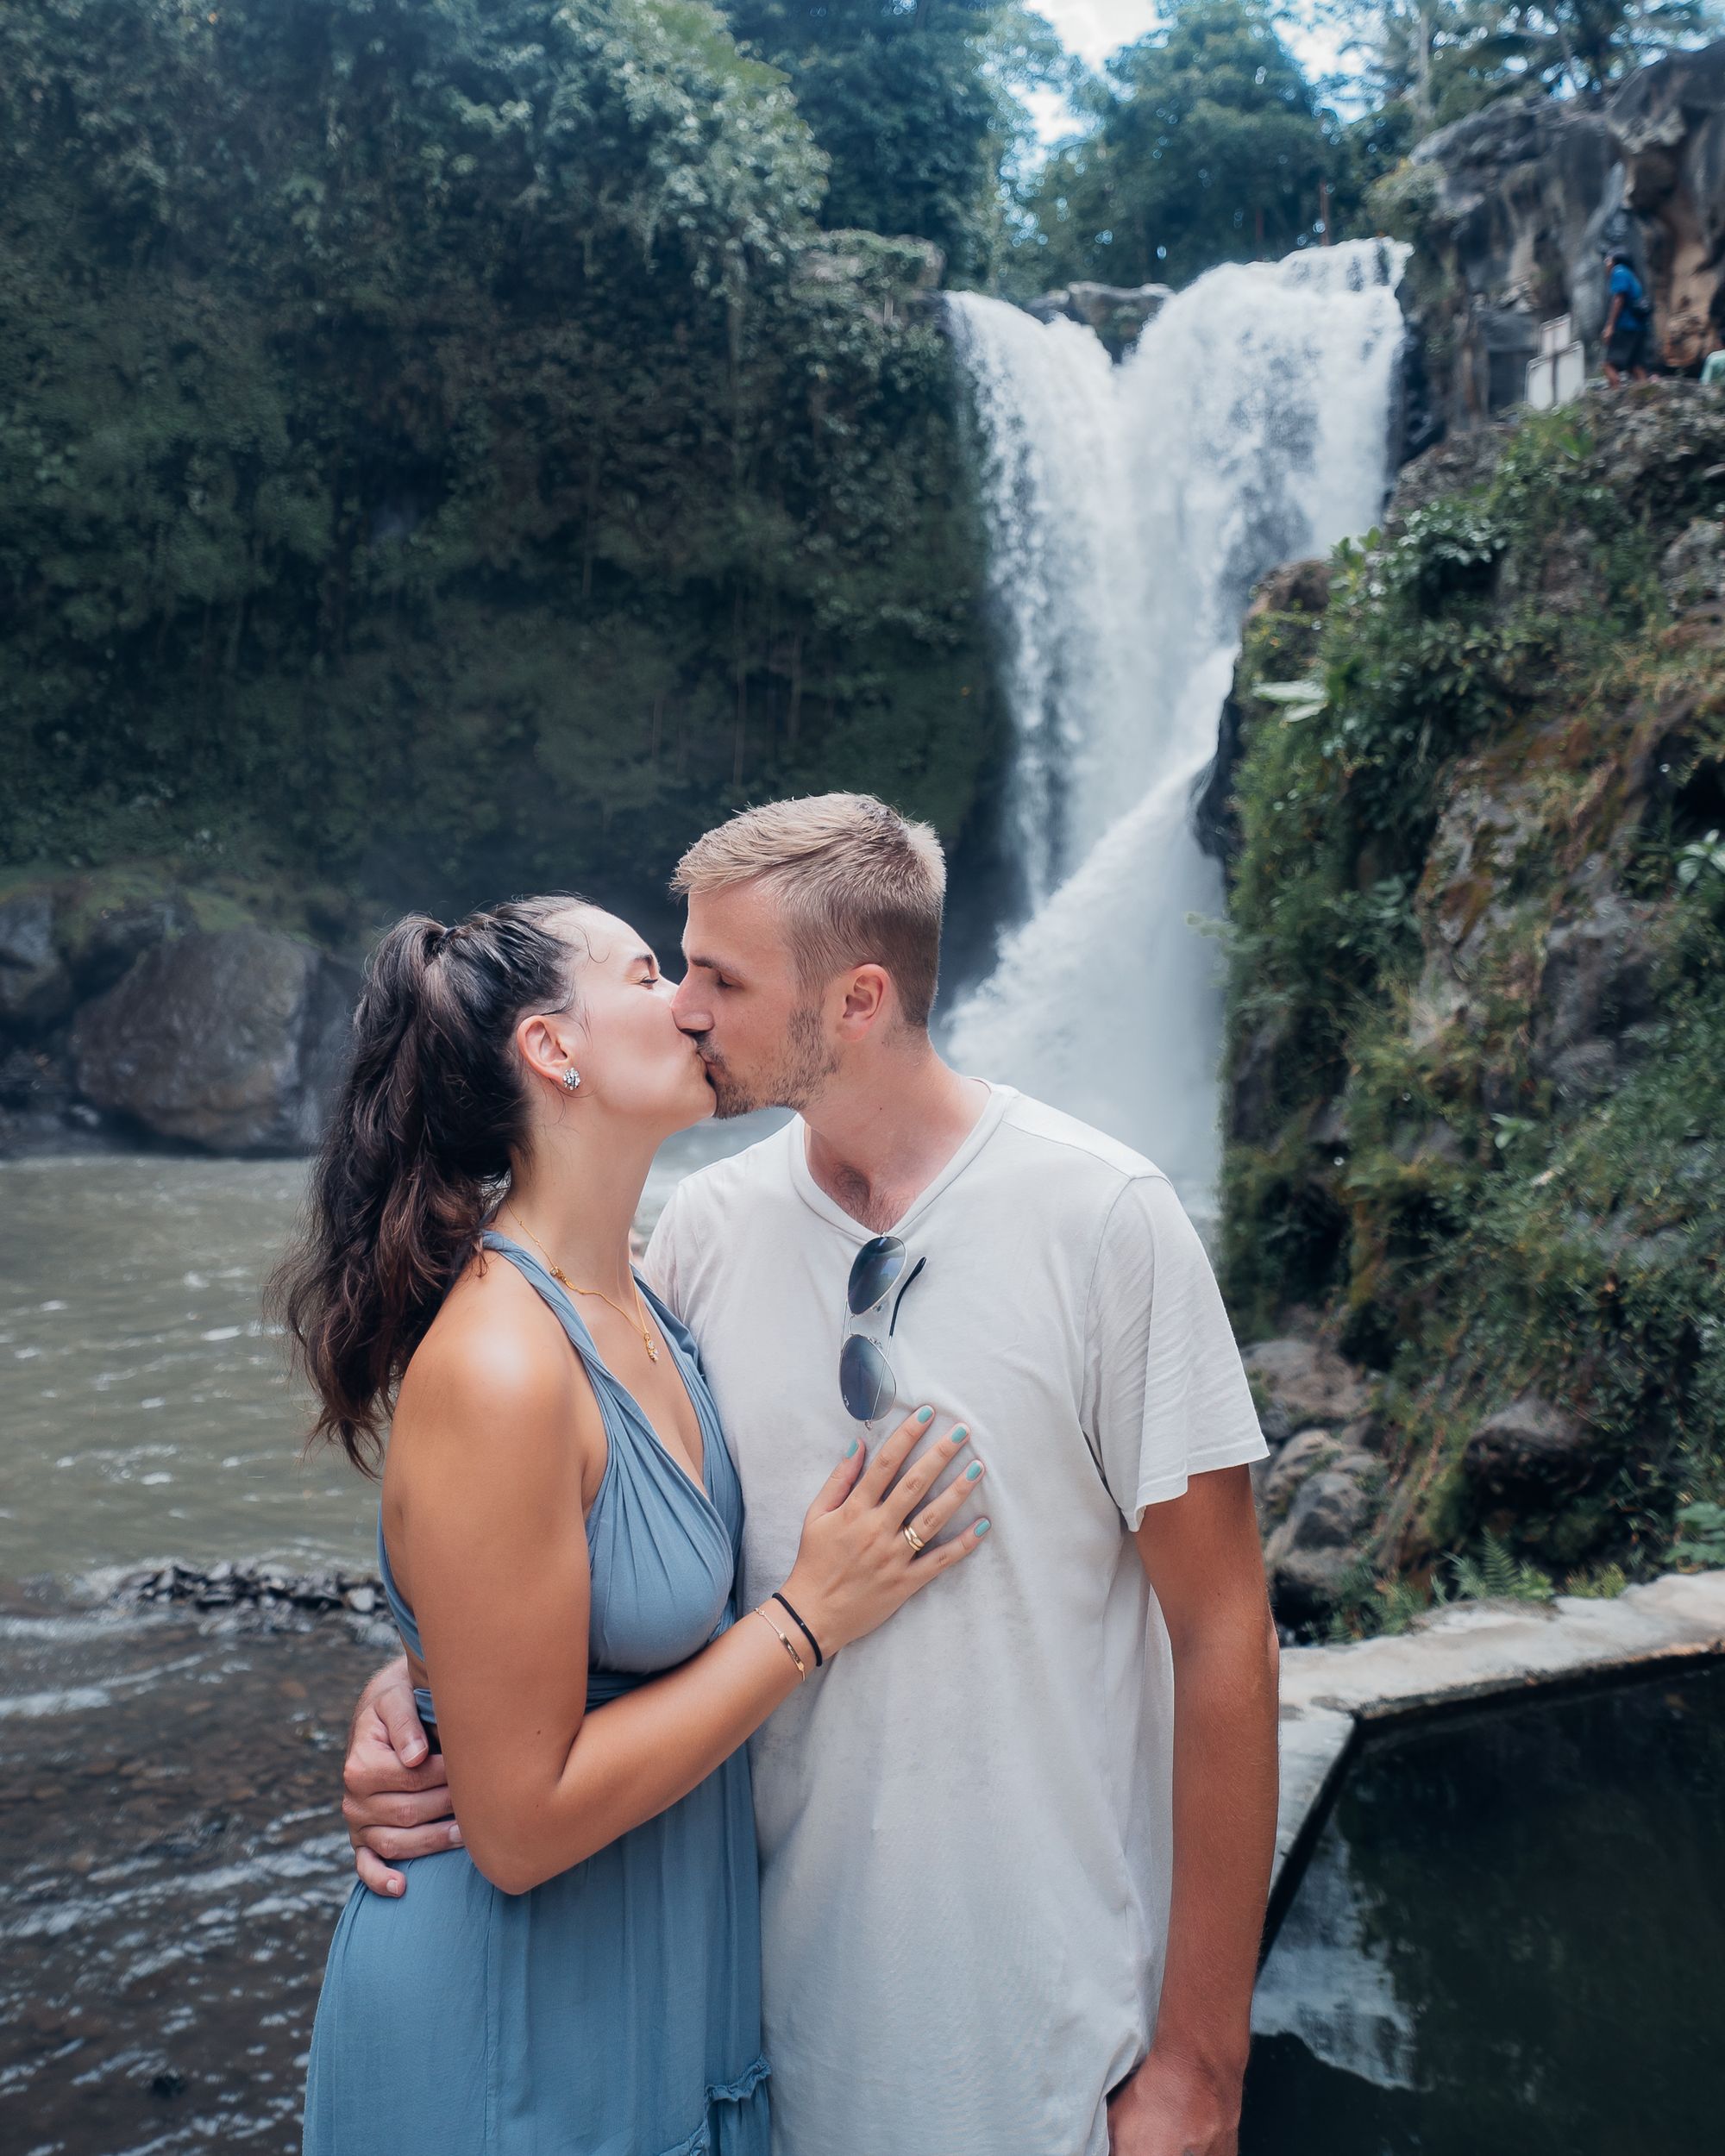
396 1800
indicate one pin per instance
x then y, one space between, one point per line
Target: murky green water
1511 1938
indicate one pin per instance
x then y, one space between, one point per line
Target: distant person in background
1629 325
1713 366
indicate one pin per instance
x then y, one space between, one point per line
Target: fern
1700 1543
1498 1575
1604 1585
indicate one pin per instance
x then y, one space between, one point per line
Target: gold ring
910 1534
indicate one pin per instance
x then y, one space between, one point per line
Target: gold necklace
558 1274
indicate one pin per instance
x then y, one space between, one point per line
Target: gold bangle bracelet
785 1641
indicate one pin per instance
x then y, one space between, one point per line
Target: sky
1094 28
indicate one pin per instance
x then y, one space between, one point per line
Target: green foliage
1585 46
1445 59
1510 726
439 451
1208 147
1603 1583
902 97
1702 859
1498 1575
1699 1545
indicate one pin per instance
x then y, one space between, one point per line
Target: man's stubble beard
805 1065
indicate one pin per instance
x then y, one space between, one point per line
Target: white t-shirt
965 1820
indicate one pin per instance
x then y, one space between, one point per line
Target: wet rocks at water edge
232 1041
131 1008
272 1591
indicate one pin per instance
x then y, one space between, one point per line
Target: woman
582 1975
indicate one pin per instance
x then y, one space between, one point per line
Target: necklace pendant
652 1350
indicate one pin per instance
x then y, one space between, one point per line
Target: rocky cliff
1510 209
1475 1106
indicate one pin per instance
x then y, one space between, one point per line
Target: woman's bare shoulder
495 1353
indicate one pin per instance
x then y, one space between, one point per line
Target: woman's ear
542 1048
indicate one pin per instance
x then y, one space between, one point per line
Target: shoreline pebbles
269 1588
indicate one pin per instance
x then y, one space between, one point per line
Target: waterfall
1129 512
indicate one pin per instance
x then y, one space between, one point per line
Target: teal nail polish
925 1414
957 1435
973 1470
850 1450
981 1527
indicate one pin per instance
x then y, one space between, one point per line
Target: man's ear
867 994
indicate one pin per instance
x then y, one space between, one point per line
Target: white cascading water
1129 510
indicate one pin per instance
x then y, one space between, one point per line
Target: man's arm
395 1800
1201 1552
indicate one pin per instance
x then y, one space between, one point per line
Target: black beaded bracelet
819 1658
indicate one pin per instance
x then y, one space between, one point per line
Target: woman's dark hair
430 1112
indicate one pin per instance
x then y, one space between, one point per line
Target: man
1628 321
1011 1906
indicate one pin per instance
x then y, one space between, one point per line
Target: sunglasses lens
865 1379
873 1271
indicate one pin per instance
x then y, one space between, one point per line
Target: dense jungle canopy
447 444
439 448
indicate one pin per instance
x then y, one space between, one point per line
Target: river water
145 1412
173 1856
1504 1921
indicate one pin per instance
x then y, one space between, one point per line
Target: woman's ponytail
429 1115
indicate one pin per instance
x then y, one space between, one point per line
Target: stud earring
572 1080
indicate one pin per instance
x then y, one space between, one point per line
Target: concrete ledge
1469 1651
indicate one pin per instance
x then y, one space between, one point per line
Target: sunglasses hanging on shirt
866 1383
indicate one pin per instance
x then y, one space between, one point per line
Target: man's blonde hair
858 883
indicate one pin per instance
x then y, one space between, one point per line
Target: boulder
1597 987
1324 1536
1305 1452
102 940
229 1040
36 986
1692 568
1309 1385
1116 312
1529 1449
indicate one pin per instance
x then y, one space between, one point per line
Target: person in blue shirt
1628 323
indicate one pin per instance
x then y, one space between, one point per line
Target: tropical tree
901 96
1447 58
1209 146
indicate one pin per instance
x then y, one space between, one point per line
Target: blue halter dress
616 2009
